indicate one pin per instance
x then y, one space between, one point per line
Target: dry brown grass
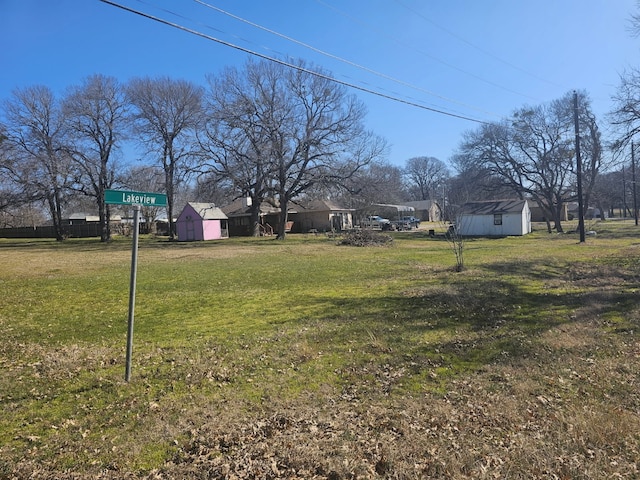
569 411
543 417
537 418
480 377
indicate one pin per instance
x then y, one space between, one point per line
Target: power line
422 52
175 14
472 45
336 57
290 65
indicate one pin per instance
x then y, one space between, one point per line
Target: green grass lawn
257 358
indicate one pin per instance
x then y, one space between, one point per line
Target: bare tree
34 157
212 189
17 209
321 137
457 243
166 116
425 175
634 22
609 192
280 131
380 182
626 113
473 181
241 110
625 116
95 114
532 153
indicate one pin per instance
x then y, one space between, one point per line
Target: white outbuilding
494 218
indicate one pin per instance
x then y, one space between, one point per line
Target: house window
497 219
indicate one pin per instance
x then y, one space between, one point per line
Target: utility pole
578 167
624 194
633 182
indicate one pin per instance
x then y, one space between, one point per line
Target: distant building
538 215
239 213
322 216
427 210
316 215
590 213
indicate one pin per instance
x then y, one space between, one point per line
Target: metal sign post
137 199
132 290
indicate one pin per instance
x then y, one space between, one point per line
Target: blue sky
480 59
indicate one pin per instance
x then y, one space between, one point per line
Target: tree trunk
283 218
557 218
548 213
104 220
169 184
56 218
172 226
254 219
603 216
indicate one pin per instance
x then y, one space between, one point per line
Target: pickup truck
376 222
406 223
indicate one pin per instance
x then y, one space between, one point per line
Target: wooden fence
47 231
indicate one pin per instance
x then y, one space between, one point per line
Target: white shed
495 218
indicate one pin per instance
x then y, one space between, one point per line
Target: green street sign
144 199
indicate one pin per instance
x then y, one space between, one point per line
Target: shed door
190 229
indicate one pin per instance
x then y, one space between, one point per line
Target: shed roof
208 211
492 207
